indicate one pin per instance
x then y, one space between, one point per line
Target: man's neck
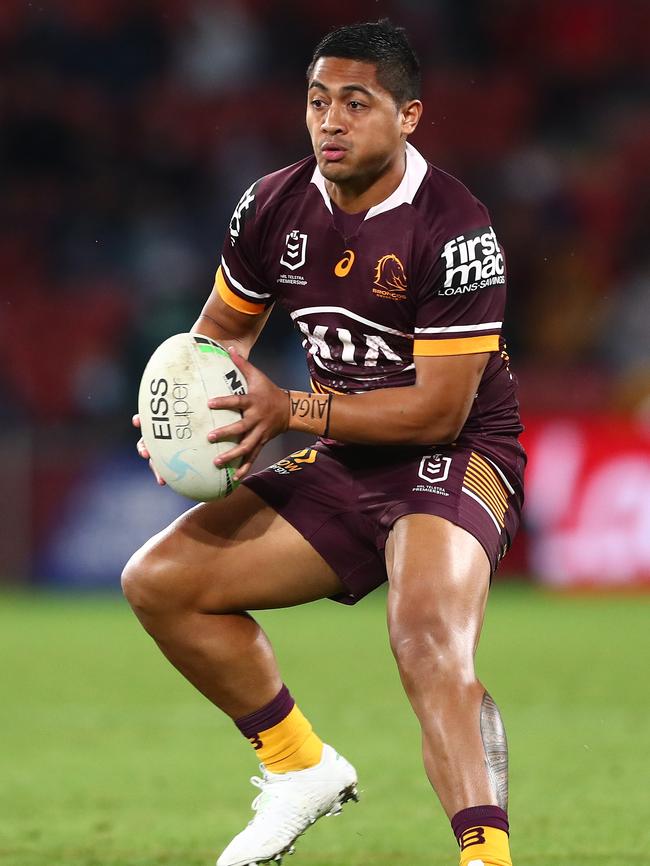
360 195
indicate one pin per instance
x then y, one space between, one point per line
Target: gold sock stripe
479 488
488 474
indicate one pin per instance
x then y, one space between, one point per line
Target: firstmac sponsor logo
472 261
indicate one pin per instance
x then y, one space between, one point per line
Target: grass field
108 758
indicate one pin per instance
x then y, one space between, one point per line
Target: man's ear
411 113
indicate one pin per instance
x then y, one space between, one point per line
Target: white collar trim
416 168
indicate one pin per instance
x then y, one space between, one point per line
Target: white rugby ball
182 375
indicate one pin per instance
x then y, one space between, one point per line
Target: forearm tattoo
495 744
309 412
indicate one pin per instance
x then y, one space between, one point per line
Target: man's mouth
333 152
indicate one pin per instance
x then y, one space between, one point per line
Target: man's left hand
265 414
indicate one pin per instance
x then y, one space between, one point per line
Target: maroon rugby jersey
422 274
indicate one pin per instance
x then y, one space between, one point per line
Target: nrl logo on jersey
242 213
472 261
295 253
390 278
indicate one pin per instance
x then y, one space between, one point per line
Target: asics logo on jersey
241 213
343 268
472 261
295 253
473 836
390 278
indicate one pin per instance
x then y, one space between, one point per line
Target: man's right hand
142 451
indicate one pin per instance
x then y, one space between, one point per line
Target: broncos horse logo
390 279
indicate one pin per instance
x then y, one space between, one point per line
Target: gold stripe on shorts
483 484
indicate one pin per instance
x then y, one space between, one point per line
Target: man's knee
152 583
428 650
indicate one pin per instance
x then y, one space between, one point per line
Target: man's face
355 127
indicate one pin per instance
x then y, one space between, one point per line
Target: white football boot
289 803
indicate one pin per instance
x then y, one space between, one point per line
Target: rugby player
393 275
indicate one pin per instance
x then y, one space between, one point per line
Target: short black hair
379 42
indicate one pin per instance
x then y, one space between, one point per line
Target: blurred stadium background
128 130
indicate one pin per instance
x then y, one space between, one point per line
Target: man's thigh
239 554
439 577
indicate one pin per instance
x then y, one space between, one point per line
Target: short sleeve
238 281
461 303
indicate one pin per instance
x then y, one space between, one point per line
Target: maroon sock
483 816
266 717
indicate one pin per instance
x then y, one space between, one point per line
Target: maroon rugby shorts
344 499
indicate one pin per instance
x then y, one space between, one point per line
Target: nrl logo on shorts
390 279
434 468
295 253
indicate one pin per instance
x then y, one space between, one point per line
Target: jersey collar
416 169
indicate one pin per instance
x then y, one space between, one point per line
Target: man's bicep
450 383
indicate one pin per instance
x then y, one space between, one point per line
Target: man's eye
317 103
354 104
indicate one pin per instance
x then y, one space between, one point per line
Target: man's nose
332 122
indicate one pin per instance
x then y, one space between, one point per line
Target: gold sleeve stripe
459 346
233 300
319 388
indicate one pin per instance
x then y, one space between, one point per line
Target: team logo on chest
390 278
295 253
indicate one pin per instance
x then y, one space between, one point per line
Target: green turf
107 758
